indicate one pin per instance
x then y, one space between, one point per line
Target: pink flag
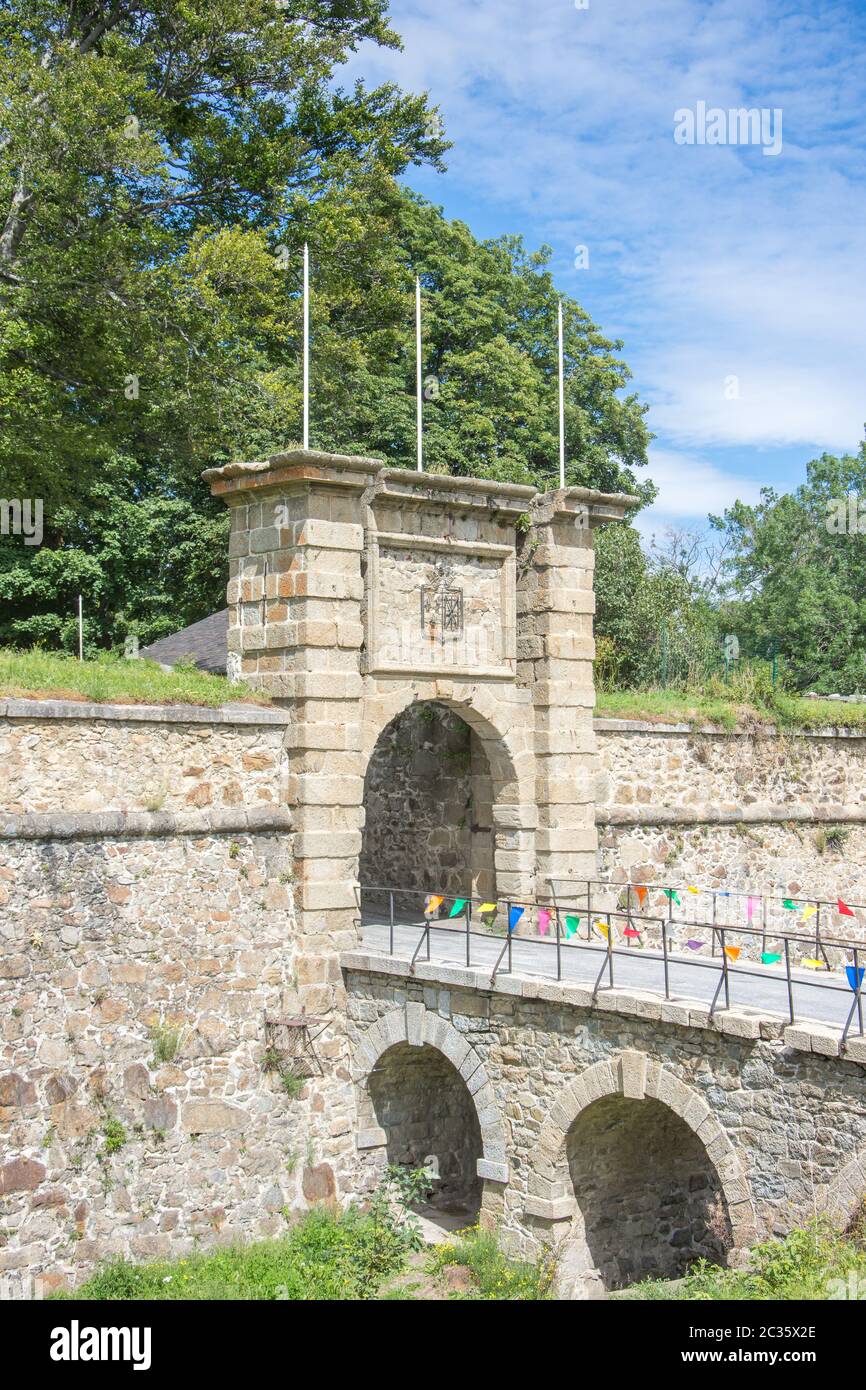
751 904
543 921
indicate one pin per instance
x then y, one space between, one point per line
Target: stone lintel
550 1208
295 466
373 1138
586 505
492 1172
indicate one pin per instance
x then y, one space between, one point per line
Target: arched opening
428 803
648 1197
424 1106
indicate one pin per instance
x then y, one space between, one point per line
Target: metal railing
589 901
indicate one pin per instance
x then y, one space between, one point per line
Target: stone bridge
630 1134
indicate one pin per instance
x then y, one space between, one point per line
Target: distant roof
205 643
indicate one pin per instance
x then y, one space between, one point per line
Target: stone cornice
138 825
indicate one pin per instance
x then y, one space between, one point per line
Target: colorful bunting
487 907
641 893
689 889
733 952
543 921
571 925
694 945
602 927
514 916
459 904
812 963
855 975
672 896
751 904
788 905
843 908
631 933
770 958
808 911
434 900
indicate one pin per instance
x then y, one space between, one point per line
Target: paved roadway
753 986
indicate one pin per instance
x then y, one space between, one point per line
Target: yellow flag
812 963
689 889
602 927
487 907
808 911
434 900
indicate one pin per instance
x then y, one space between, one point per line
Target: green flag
571 925
770 958
792 907
459 904
672 896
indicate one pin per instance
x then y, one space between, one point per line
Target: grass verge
788 712
113 680
816 1263
327 1256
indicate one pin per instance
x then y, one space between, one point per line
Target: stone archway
582 1198
499 792
428 812
414 1039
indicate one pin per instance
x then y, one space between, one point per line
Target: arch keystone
632 1074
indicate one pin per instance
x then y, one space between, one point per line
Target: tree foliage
799 584
161 166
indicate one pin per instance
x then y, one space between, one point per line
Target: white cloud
707 261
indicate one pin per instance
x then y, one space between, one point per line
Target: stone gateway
183 896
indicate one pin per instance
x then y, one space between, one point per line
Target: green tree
153 159
799 583
653 623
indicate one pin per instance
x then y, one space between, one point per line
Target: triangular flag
751 904
788 905
843 908
808 911
812 963
630 932
641 893
770 958
689 889
602 927
571 925
514 916
459 904
672 895
543 921
732 952
694 945
855 976
434 900
487 907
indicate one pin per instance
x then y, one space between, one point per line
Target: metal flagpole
419 384
561 403
306 346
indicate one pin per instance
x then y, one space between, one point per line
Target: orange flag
641 893
732 952
434 900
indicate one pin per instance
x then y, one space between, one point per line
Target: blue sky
711 262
